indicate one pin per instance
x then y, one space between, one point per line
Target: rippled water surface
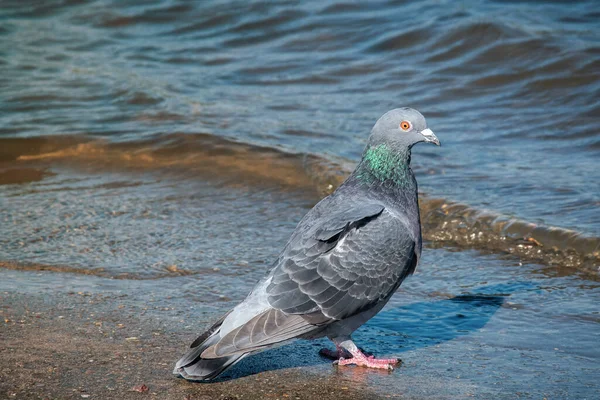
511 89
179 143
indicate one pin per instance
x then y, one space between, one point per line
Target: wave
200 155
445 223
168 272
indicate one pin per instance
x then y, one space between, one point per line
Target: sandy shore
74 336
80 345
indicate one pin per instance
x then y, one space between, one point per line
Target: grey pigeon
344 261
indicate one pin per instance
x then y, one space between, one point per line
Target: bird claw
369 362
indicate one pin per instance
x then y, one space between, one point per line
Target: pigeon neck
382 164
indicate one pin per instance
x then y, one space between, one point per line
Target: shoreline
83 345
64 336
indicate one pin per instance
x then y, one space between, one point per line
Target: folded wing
347 264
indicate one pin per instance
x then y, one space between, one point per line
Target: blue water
510 88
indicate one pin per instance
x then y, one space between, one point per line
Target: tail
193 367
215 351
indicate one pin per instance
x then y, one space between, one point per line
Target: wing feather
332 269
271 327
365 253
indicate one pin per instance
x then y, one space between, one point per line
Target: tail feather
207 369
216 350
193 367
193 354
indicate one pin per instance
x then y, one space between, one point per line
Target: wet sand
68 335
82 345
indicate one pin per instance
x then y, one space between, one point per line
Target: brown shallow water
229 162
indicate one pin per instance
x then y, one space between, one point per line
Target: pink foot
362 360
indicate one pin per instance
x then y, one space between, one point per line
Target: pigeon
341 265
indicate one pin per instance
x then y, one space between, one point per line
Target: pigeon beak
430 137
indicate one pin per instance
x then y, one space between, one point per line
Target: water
512 90
140 142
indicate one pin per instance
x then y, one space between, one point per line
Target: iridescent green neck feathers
381 163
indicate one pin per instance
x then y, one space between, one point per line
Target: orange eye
405 125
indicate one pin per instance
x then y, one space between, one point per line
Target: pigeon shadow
392 331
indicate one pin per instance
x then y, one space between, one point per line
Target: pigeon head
400 129
387 156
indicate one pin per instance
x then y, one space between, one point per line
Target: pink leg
336 354
362 360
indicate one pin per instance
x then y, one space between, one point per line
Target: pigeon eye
405 125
